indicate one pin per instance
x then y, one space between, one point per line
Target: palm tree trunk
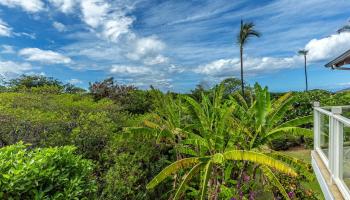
305 73
242 81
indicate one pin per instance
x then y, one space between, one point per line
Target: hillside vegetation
118 142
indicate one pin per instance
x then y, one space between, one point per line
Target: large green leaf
296 131
205 179
259 158
274 181
299 165
180 164
186 179
297 122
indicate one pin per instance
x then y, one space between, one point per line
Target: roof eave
339 61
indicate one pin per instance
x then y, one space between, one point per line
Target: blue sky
175 44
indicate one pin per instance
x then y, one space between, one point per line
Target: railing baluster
335 143
317 126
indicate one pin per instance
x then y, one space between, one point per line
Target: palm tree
246 31
304 52
213 138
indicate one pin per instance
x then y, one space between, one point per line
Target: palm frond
274 181
259 158
279 112
299 165
185 150
186 179
137 131
297 121
296 131
180 164
205 179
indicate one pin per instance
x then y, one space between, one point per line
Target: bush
92 133
44 173
132 164
285 143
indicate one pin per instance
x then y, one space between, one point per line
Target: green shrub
285 143
92 133
44 173
132 164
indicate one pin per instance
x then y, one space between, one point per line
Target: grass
305 155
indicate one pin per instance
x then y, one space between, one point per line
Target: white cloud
59 26
5 30
110 22
252 66
319 50
159 59
129 70
7 49
75 81
114 28
144 47
94 12
66 6
45 56
10 69
329 47
27 5
29 35
175 69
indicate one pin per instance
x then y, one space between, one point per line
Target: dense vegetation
118 142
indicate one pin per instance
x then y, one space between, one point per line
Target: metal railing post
317 126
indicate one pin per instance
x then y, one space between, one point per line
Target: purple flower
251 195
246 178
291 194
233 198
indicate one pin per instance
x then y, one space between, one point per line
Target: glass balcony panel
324 134
346 156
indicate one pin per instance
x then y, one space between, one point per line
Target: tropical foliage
45 173
220 140
210 144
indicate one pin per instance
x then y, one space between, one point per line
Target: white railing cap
336 110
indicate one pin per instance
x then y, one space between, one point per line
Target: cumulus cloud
110 21
329 47
319 50
252 66
129 70
114 28
145 47
27 5
44 56
5 30
10 69
59 26
94 12
66 6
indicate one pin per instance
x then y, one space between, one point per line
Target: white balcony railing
332 144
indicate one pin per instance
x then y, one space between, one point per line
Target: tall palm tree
304 52
246 31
